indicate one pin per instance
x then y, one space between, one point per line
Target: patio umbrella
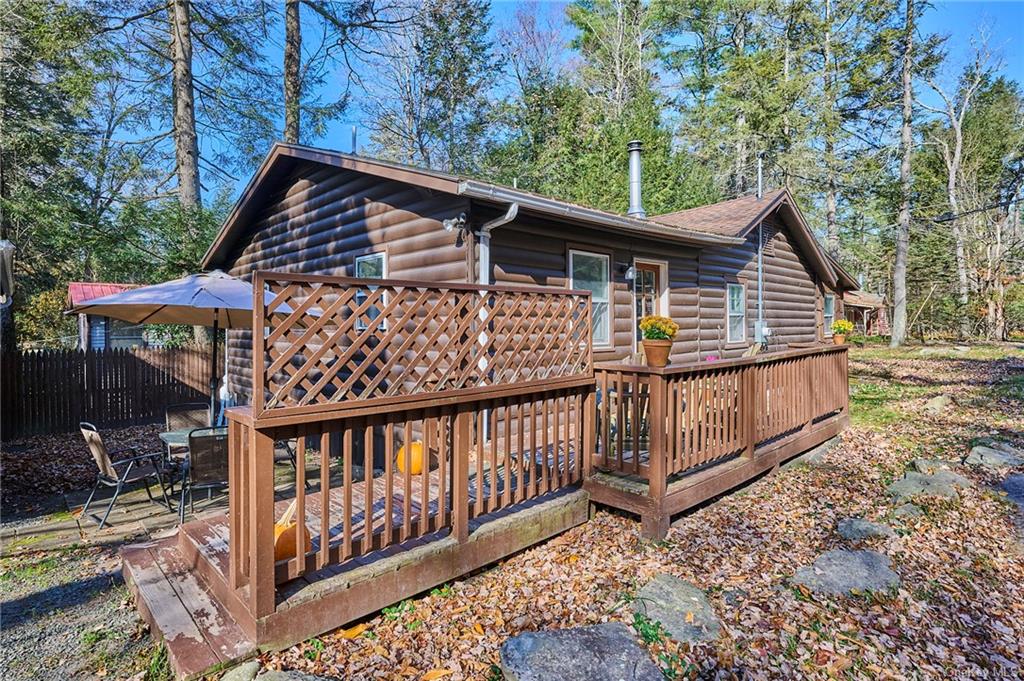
206 299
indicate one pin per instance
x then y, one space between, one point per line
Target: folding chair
207 466
138 468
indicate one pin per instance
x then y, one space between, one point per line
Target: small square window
372 266
737 312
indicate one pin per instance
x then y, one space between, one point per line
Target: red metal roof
81 291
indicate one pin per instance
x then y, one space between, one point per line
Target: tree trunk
186 143
831 225
962 284
899 271
292 78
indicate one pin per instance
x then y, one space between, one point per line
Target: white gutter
597 218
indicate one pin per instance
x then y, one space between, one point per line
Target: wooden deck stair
182 610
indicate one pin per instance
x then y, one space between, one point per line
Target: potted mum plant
658 334
840 329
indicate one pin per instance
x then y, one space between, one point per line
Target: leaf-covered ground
36 468
959 612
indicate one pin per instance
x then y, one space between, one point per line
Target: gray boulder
246 671
858 529
839 572
939 484
937 404
990 457
1014 488
603 652
930 466
290 676
681 608
908 510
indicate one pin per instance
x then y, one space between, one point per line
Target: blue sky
960 20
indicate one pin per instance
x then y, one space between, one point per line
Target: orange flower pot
657 352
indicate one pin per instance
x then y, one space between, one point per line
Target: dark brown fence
51 391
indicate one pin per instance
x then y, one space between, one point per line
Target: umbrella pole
213 371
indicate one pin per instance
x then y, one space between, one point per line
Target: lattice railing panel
331 341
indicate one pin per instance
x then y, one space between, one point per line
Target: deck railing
713 410
490 389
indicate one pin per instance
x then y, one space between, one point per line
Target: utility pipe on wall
759 332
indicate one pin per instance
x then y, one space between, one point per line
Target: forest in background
128 127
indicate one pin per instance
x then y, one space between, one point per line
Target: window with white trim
828 313
590 272
736 309
370 266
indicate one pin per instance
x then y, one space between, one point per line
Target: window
828 313
589 271
371 266
737 312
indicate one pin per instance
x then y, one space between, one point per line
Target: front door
647 292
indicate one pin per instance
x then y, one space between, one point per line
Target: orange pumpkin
284 536
415 458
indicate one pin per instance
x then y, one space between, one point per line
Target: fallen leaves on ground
959 610
42 465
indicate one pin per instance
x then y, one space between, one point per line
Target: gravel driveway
67 615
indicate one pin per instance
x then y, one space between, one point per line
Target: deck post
749 405
460 476
655 522
589 423
261 527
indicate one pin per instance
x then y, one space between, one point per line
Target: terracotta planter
839 339
657 352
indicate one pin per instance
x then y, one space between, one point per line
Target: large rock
1014 488
681 608
939 484
930 466
908 510
990 457
839 572
244 672
603 652
290 676
858 529
937 404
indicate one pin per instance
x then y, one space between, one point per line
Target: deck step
199 633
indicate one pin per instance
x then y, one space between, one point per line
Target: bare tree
950 141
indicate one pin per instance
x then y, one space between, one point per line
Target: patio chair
117 474
207 465
184 416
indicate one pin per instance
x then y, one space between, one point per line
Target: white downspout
483 276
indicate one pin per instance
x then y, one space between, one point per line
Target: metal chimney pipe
636 208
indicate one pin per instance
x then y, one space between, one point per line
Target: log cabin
454 362
313 211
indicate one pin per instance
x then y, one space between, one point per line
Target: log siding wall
323 218
535 252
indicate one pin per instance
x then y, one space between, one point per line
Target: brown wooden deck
522 430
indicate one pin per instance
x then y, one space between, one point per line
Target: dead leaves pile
959 611
42 465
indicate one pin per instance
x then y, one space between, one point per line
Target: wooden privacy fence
713 410
51 391
448 425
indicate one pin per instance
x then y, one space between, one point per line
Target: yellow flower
658 328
